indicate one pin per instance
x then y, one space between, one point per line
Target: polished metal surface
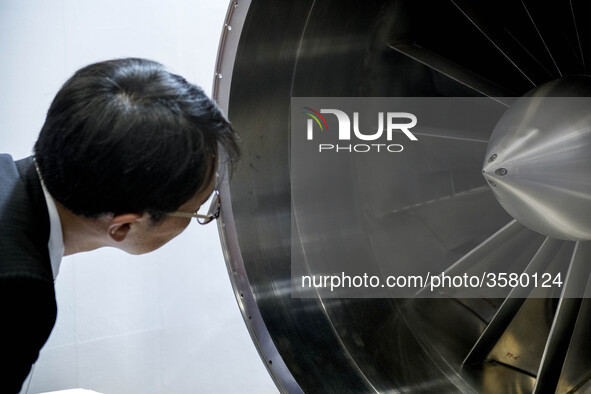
538 159
439 208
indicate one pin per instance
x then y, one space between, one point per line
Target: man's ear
120 225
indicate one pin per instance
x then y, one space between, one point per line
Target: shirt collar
55 244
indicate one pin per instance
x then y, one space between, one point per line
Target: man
127 155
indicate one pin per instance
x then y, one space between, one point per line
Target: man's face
147 236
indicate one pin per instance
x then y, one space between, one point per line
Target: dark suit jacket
27 298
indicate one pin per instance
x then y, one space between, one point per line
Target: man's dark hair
127 136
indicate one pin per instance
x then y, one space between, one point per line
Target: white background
166 322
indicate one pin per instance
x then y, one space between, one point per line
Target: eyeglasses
212 213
